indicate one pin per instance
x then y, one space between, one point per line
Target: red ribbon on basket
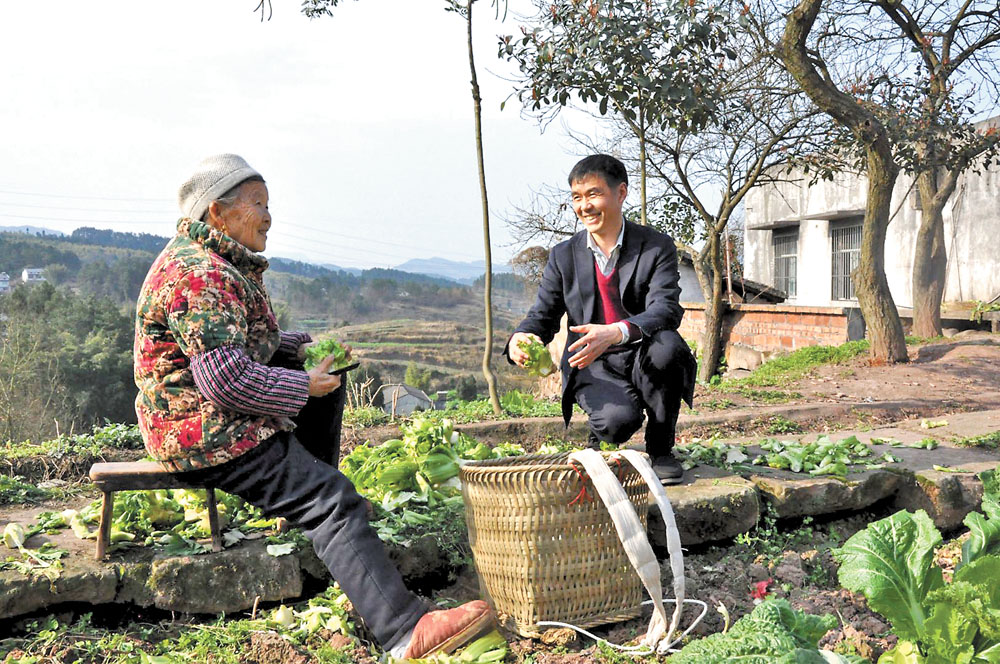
582 495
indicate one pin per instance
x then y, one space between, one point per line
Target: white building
805 239
402 399
33 275
4 282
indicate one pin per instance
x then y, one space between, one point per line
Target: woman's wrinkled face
247 220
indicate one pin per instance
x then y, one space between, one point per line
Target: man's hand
320 382
595 340
518 356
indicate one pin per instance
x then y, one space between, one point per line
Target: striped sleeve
288 349
227 377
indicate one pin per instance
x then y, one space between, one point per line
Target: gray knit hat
214 177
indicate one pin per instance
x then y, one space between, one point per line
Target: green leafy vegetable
319 351
772 632
539 362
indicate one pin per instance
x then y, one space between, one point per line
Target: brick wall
777 327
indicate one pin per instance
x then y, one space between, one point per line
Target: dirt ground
959 369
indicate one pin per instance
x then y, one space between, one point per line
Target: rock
271 648
741 356
790 571
946 497
561 637
825 495
757 572
708 510
222 582
423 565
949 332
87 582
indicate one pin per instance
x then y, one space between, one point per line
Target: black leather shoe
668 468
593 442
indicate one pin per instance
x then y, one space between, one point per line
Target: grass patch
110 436
15 491
988 441
368 416
786 368
779 425
767 396
717 404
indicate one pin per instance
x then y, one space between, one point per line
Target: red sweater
609 301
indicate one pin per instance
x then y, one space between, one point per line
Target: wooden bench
141 475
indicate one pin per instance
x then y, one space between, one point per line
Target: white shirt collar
618 243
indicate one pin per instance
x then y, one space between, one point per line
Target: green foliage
417 377
773 633
106 437
989 441
786 368
778 424
539 362
652 64
319 351
15 491
822 456
514 403
67 363
982 308
365 416
892 563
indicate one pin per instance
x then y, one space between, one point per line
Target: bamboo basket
545 551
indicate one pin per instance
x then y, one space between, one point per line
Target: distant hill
462 272
31 230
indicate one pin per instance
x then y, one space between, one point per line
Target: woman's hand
320 382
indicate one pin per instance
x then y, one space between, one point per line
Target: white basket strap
640 463
630 532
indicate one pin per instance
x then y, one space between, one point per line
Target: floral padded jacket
203 292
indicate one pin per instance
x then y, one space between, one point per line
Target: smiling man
618 284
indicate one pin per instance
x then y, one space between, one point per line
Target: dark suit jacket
648 279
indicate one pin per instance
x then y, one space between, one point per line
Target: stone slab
790 495
947 497
711 507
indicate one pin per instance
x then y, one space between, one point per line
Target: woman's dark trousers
283 478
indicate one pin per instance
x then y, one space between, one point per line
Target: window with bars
786 254
845 239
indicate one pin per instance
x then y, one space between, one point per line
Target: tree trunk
930 257
885 330
491 381
642 168
715 310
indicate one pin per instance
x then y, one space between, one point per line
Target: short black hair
609 168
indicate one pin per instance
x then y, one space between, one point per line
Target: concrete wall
972 232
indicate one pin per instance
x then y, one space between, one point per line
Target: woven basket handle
633 536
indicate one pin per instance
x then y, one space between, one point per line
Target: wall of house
777 327
971 216
690 289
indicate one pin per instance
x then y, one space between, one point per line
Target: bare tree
806 64
313 8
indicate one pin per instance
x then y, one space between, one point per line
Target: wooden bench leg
104 530
213 519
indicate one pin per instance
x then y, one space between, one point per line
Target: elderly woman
218 403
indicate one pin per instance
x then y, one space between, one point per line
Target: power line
90 198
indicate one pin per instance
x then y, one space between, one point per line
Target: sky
361 123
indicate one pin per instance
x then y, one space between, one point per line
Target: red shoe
445 631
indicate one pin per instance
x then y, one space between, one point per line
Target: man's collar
618 243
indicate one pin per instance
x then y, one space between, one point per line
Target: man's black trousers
650 377
283 478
